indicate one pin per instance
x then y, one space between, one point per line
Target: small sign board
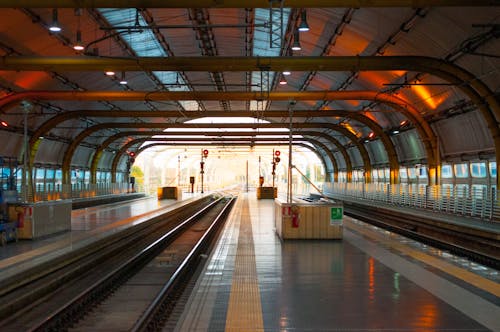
191 179
336 214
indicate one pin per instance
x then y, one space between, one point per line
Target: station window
412 172
493 169
375 174
58 176
87 176
478 170
402 173
461 170
422 171
446 171
50 173
342 177
381 173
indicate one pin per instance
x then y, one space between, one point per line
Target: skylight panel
145 44
261 47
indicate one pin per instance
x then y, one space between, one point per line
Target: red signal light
277 153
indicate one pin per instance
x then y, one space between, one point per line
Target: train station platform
88 225
372 280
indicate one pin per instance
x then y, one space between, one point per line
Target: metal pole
25 176
247 175
178 170
201 172
290 139
274 168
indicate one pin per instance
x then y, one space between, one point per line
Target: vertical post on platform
26 171
290 139
178 170
201 170
247 175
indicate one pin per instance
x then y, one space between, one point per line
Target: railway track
112 287
477 245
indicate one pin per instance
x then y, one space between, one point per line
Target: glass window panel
446 172
402 173
40 174
422 171
461 170
493 169
478 170
412 172
50 173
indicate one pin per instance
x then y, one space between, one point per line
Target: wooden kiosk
308 220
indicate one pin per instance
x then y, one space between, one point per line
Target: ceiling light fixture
287 72
5 124
109 73
283 80
296 41
54 27
303 26
123 80
78 45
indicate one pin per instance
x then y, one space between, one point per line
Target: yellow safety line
244 312
467 276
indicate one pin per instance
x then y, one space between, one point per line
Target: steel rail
414 228
60 318
153 314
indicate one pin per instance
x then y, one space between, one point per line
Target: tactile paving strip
245 310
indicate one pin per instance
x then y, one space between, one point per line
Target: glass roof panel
261 47
144 43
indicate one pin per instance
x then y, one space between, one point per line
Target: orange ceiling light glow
30 80
348 126
3 123
426 96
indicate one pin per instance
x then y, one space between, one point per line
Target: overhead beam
423 128
473 87
240 3
221 63
357 116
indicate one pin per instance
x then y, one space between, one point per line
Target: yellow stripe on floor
467 276
244 312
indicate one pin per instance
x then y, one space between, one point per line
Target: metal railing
81 190
470 202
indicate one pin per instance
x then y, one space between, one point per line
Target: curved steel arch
374 126
111 139
128 145
423 128
467 82
314 142
68 155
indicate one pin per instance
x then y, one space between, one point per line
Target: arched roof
368 74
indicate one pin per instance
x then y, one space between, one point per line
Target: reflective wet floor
369 281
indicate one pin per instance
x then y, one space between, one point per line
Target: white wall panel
465 133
